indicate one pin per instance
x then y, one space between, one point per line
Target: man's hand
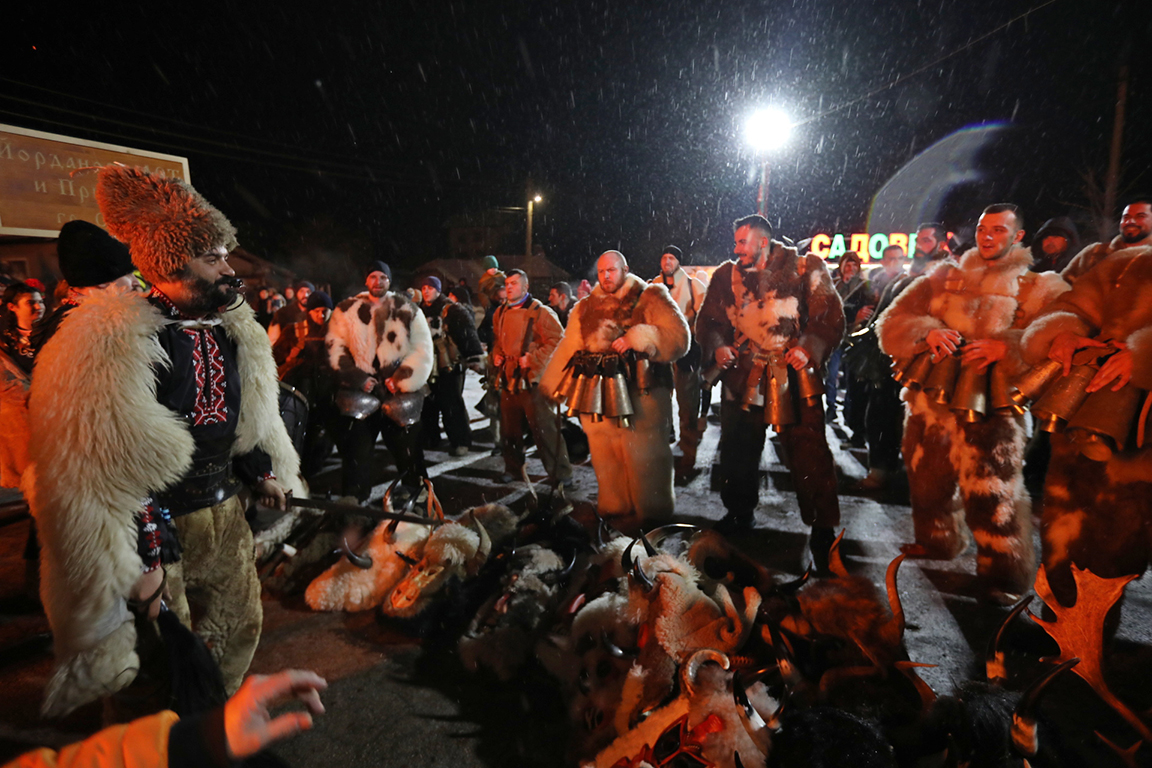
1117 368
145 587
984 352
865 313
942 342
620 346
248 726
498 361
797 357
726 357
524 362
1067 344
370 384
271 494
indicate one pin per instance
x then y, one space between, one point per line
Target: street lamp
766 130
528 240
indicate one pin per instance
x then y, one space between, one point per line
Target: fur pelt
687 291
14 432
345 587
978 298
393 339
788 300
103 444
1093 254
509 324
165 222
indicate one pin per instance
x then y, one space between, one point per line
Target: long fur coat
102 444
395 334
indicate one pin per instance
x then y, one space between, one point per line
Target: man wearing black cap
457 345
282 329
770 317
688 293
379 343
90 260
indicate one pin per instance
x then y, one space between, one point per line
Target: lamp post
528 239
765 131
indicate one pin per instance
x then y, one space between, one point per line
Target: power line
152 116
930 65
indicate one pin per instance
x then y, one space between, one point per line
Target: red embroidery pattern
209 407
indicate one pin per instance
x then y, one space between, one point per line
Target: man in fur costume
525 334
379 343
688 293
772 310
638 330
982 301
144 451
1097 514
1135 231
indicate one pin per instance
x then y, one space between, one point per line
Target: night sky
334 132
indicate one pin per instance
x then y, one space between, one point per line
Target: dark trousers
356 438
813 471
541 415
884 425
447 401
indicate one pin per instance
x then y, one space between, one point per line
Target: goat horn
736 761
835 562
1024 738
695 661
790 587
994 660
894 599
740 696
406 558
648 548
363 562
657 535
485 547
777 718
615 650
923 690
626 557
639 575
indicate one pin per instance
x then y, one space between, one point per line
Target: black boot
819 542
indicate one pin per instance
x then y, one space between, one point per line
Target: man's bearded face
1136 223
209 281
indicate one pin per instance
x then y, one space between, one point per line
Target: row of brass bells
1102 424
615 398
809 385
913 372
1000 393
588 399
1029 387
941 381
1063 398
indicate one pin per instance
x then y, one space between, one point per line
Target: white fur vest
103 443
392 339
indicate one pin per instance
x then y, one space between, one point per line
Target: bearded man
144 453
1135 231
978 305
623 338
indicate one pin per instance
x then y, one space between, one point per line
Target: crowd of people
136 469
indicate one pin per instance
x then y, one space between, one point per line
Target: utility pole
1112 181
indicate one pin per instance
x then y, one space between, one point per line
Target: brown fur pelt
392 338
980 299
165 222
103 444
1093 254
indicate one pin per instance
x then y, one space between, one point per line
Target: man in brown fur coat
627 316
981 302
1098 514
151 412
769 311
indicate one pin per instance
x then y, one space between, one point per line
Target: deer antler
1079 631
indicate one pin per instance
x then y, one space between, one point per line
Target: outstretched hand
248 725
1066 344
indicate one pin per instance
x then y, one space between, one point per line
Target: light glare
767 129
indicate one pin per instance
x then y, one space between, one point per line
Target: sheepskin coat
509 324
688 292
103 444
980 299
633 464
392 339
1095 253
785 300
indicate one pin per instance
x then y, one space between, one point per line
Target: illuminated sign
870 247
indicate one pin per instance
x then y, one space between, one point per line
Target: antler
1079 631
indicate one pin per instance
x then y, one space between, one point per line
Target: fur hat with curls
165 222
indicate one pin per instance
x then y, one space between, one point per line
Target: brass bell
999 397
917 371
899 367
593 401
941 382
567 386
809 385
579 394
617 403
1028 388
970 395
644 379
1102 424
754 388
778 408
1060 402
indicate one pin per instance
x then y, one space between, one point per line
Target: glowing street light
528 240
765 131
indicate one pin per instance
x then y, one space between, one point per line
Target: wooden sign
42 186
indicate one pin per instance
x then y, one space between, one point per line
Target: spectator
281 331
1055 244
560 299
457 346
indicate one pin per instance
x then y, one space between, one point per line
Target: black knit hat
674 251
90 256
378 266
318 299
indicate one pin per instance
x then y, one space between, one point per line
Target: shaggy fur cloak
1095 253
102 444
391 340
633 464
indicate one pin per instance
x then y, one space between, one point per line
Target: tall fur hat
165 222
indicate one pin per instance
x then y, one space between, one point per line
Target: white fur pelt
344 587
394 334
102 445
